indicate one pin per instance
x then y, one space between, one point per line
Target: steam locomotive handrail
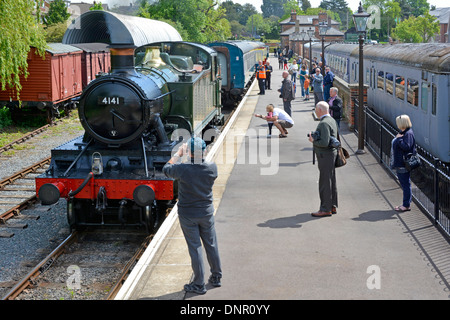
78 157
161 96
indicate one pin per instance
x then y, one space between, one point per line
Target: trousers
405 182
327 180
196 231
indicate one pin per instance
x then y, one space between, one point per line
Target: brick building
291 28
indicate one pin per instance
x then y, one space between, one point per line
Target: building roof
306 20
59 48
330 32
113 28
442 14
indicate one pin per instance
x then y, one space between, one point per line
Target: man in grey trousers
326 157
196 211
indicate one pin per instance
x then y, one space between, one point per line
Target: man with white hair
335 104
326 157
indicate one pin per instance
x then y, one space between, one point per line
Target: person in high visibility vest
261 76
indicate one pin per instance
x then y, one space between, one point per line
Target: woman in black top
403 144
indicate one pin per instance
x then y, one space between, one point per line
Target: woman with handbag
402 145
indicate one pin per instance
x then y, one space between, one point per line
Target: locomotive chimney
122 59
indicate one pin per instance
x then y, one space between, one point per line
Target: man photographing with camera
326 156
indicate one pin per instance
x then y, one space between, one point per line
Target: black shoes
195 288
201 289
215 281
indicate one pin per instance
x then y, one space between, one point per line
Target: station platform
271 247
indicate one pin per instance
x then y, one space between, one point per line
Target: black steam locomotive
132 118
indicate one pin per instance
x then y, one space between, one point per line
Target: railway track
87 265
18 192
72 259
25 137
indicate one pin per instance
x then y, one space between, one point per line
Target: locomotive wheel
154 215
70 215
150 218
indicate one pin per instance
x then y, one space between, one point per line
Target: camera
315 135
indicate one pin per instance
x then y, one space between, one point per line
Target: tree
419 7
427 26
19 31
57 13
417 29
337 6
273 8
96 6
304 4
195 20
256 25
406 31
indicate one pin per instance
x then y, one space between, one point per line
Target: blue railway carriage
412 79
237 61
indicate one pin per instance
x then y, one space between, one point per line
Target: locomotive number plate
116 101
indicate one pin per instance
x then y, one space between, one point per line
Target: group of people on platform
319 80
328 109
196 177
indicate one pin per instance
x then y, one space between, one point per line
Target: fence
430 182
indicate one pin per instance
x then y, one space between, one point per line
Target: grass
13 132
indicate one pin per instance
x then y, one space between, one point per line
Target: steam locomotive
134 117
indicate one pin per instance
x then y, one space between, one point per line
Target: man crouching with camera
326 156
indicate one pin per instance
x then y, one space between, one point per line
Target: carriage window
433 99
400 87
413 92
424 102
367 76
380 80
389 83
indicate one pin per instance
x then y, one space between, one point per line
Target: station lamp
323 28
310 33
360 20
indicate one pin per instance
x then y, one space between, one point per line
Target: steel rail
40 268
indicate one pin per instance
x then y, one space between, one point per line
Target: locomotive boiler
112 175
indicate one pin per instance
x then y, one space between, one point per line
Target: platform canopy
113 28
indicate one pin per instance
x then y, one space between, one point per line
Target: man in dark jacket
286 93
335 105
196 210
269 70
327 83
326 156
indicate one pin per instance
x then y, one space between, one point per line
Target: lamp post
303 35
310 33
323 28
360 20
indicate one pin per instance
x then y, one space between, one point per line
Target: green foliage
273 8
55 33
57 13
19 32
339 8
417 29
96 6
5 117
199 20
